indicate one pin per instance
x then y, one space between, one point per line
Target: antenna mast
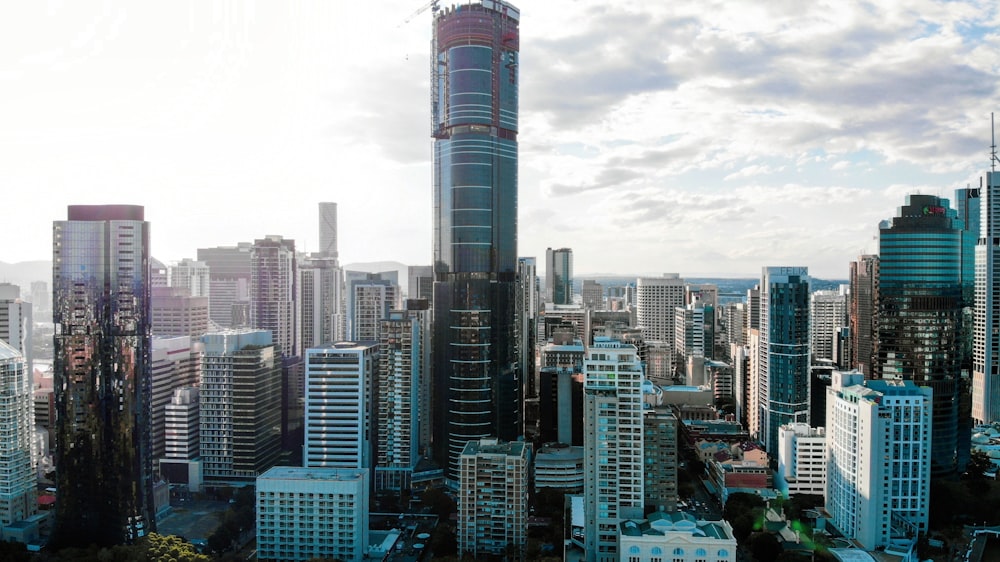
993 145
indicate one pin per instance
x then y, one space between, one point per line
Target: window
678 552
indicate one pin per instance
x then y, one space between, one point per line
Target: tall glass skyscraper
920 318
102 379
474 71
986 342
559 275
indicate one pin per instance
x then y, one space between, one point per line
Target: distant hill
23 273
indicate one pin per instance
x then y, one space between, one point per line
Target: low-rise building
560 466
676 536
801 460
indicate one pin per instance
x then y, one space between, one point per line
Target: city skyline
792 130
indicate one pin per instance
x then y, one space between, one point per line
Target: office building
474 93
176 363
592 294
878 458
526 322
689 335
398 391
17 475
181 461
863 313
801 460
328 230
340 405
678 537
657 299
192 275
920 319
371 298
613 444
827 314
493 498
321 316
986 312
175 312
41 299
312 514
782 374
559 275
273 291
420 282
660 459
229 284
16 323
240 406
100 293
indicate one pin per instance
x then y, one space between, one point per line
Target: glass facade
102 379
920 318
474 114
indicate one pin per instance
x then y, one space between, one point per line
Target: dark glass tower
101 310
920 318
474 71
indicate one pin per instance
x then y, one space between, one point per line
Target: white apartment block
176 363
676 536
181 422
878 458
613 444
17 474
339 405
307 513
801 460
16 325
493 497
656 300
190 274
827 314
689 332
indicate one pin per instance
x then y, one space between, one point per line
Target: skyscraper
559 275
986 316
17 477
920 318
398 391
328 230
102 378
864 313
657 299
272 290
229 281
16 324
827 314
474 92
783 365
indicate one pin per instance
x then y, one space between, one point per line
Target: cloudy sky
704 137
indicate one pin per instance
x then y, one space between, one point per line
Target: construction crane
433 5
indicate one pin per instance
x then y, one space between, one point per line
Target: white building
176 363
676 537
827 314
321 317
493 497
689 334
801 460
181 462
657 299
306 513
559 466
192 275
17 475
986 312
613 444
878 458
16 325
398 390
340 393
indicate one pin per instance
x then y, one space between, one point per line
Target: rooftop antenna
993 145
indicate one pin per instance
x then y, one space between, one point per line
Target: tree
765 547
979 465
439 502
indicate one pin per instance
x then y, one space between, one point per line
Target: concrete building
986 312
240 406
613 444
229 273
176 363
181 462
657 299
878 458
101 375
312 513
827 314
689 336
592 294
175 312
493 497
18 491
398 391
328 230
559 275
340 405
322 316
16 324
192 275
782 373
660 459
676 536
559 466
801 460
273 291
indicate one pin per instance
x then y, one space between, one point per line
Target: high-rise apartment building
474 93
493 498
371 300
559 275
176 363
612 444
328 230
398 391
16 322
240 405
311 514
321 316
592 294
192 275
420 282
878 458
801 460
689 335
863 313
660 458
272 290
17 475
181 460
782 372
827 314
526 323
174 312
340 405
986 312
102 375
657 299
920 319
229 283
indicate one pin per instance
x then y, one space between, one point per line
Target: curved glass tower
474 118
